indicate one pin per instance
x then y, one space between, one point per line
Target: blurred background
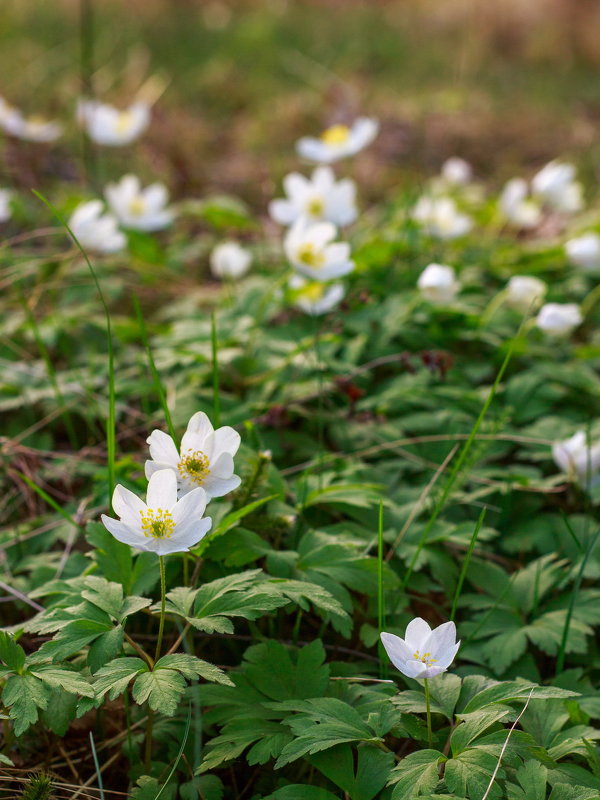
507 84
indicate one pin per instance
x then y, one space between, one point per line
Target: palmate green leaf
162 688
473 725
60 711
303 593
11 653
416 774
362 780
567 791
110 598
191 667
469 774
202 787
546 633
478 692
320 724
64 679
106 647
444 693
265 738
24 695
531 777
270 668
298 791
115 676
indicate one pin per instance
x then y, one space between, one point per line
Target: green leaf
106 647
469 773
416 774
473 725
162 688
191 667
114 558
202 787
361 780
60 711
271 669
230 521
11 653
115 676
532 779
23 695
64 679
297 791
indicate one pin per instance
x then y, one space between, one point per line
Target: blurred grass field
506 85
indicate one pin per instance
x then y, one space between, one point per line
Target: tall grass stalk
153 370
465 564
110 423
215 371
47 499
383 666
97 766
462 457
86 67
179 754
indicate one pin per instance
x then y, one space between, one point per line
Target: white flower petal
190 507
128 506
226 440
162 490
417 633
162 448
217 487
123 533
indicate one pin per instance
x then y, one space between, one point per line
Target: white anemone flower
584 251
556 186
317 198
315 298
525 293
517 207
578 458
205 458
440 217
559 319
30 129
5 201
111 126
312 251
338 141
230 260
437 283
162 524
95 230
456 172
137 208
423 653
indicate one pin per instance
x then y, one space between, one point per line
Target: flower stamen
307 254
195 466
426 658
157 523
337 134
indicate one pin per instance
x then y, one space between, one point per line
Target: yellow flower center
309 255
315 207
123 122
337 134
157 523
425 658
313 291
137 207
194 465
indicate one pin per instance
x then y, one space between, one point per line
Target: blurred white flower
438 284
30 129
577 458
95 230
556 186
205 458
162 524
456 172
423 653
5 209
584 251
525 293
441 218
559 319
312 251
317 198
516 207
111 126
137 208
338 141
230 260
313 297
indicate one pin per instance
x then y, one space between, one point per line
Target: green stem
163 602
215 371
428 704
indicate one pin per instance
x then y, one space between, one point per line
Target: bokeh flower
317 198
111 126
137 208
162 524
312 251
205 458
440 217
559 319
578 458
338 141
5 208
557 188
517 207
584 251
437 283
314 297
95 230
456 172
423 653
30 129
230 260
525 293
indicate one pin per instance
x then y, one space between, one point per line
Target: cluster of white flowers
131 206
314 208
553 188
30 129
180 484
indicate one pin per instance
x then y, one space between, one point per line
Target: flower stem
161 626
428 705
